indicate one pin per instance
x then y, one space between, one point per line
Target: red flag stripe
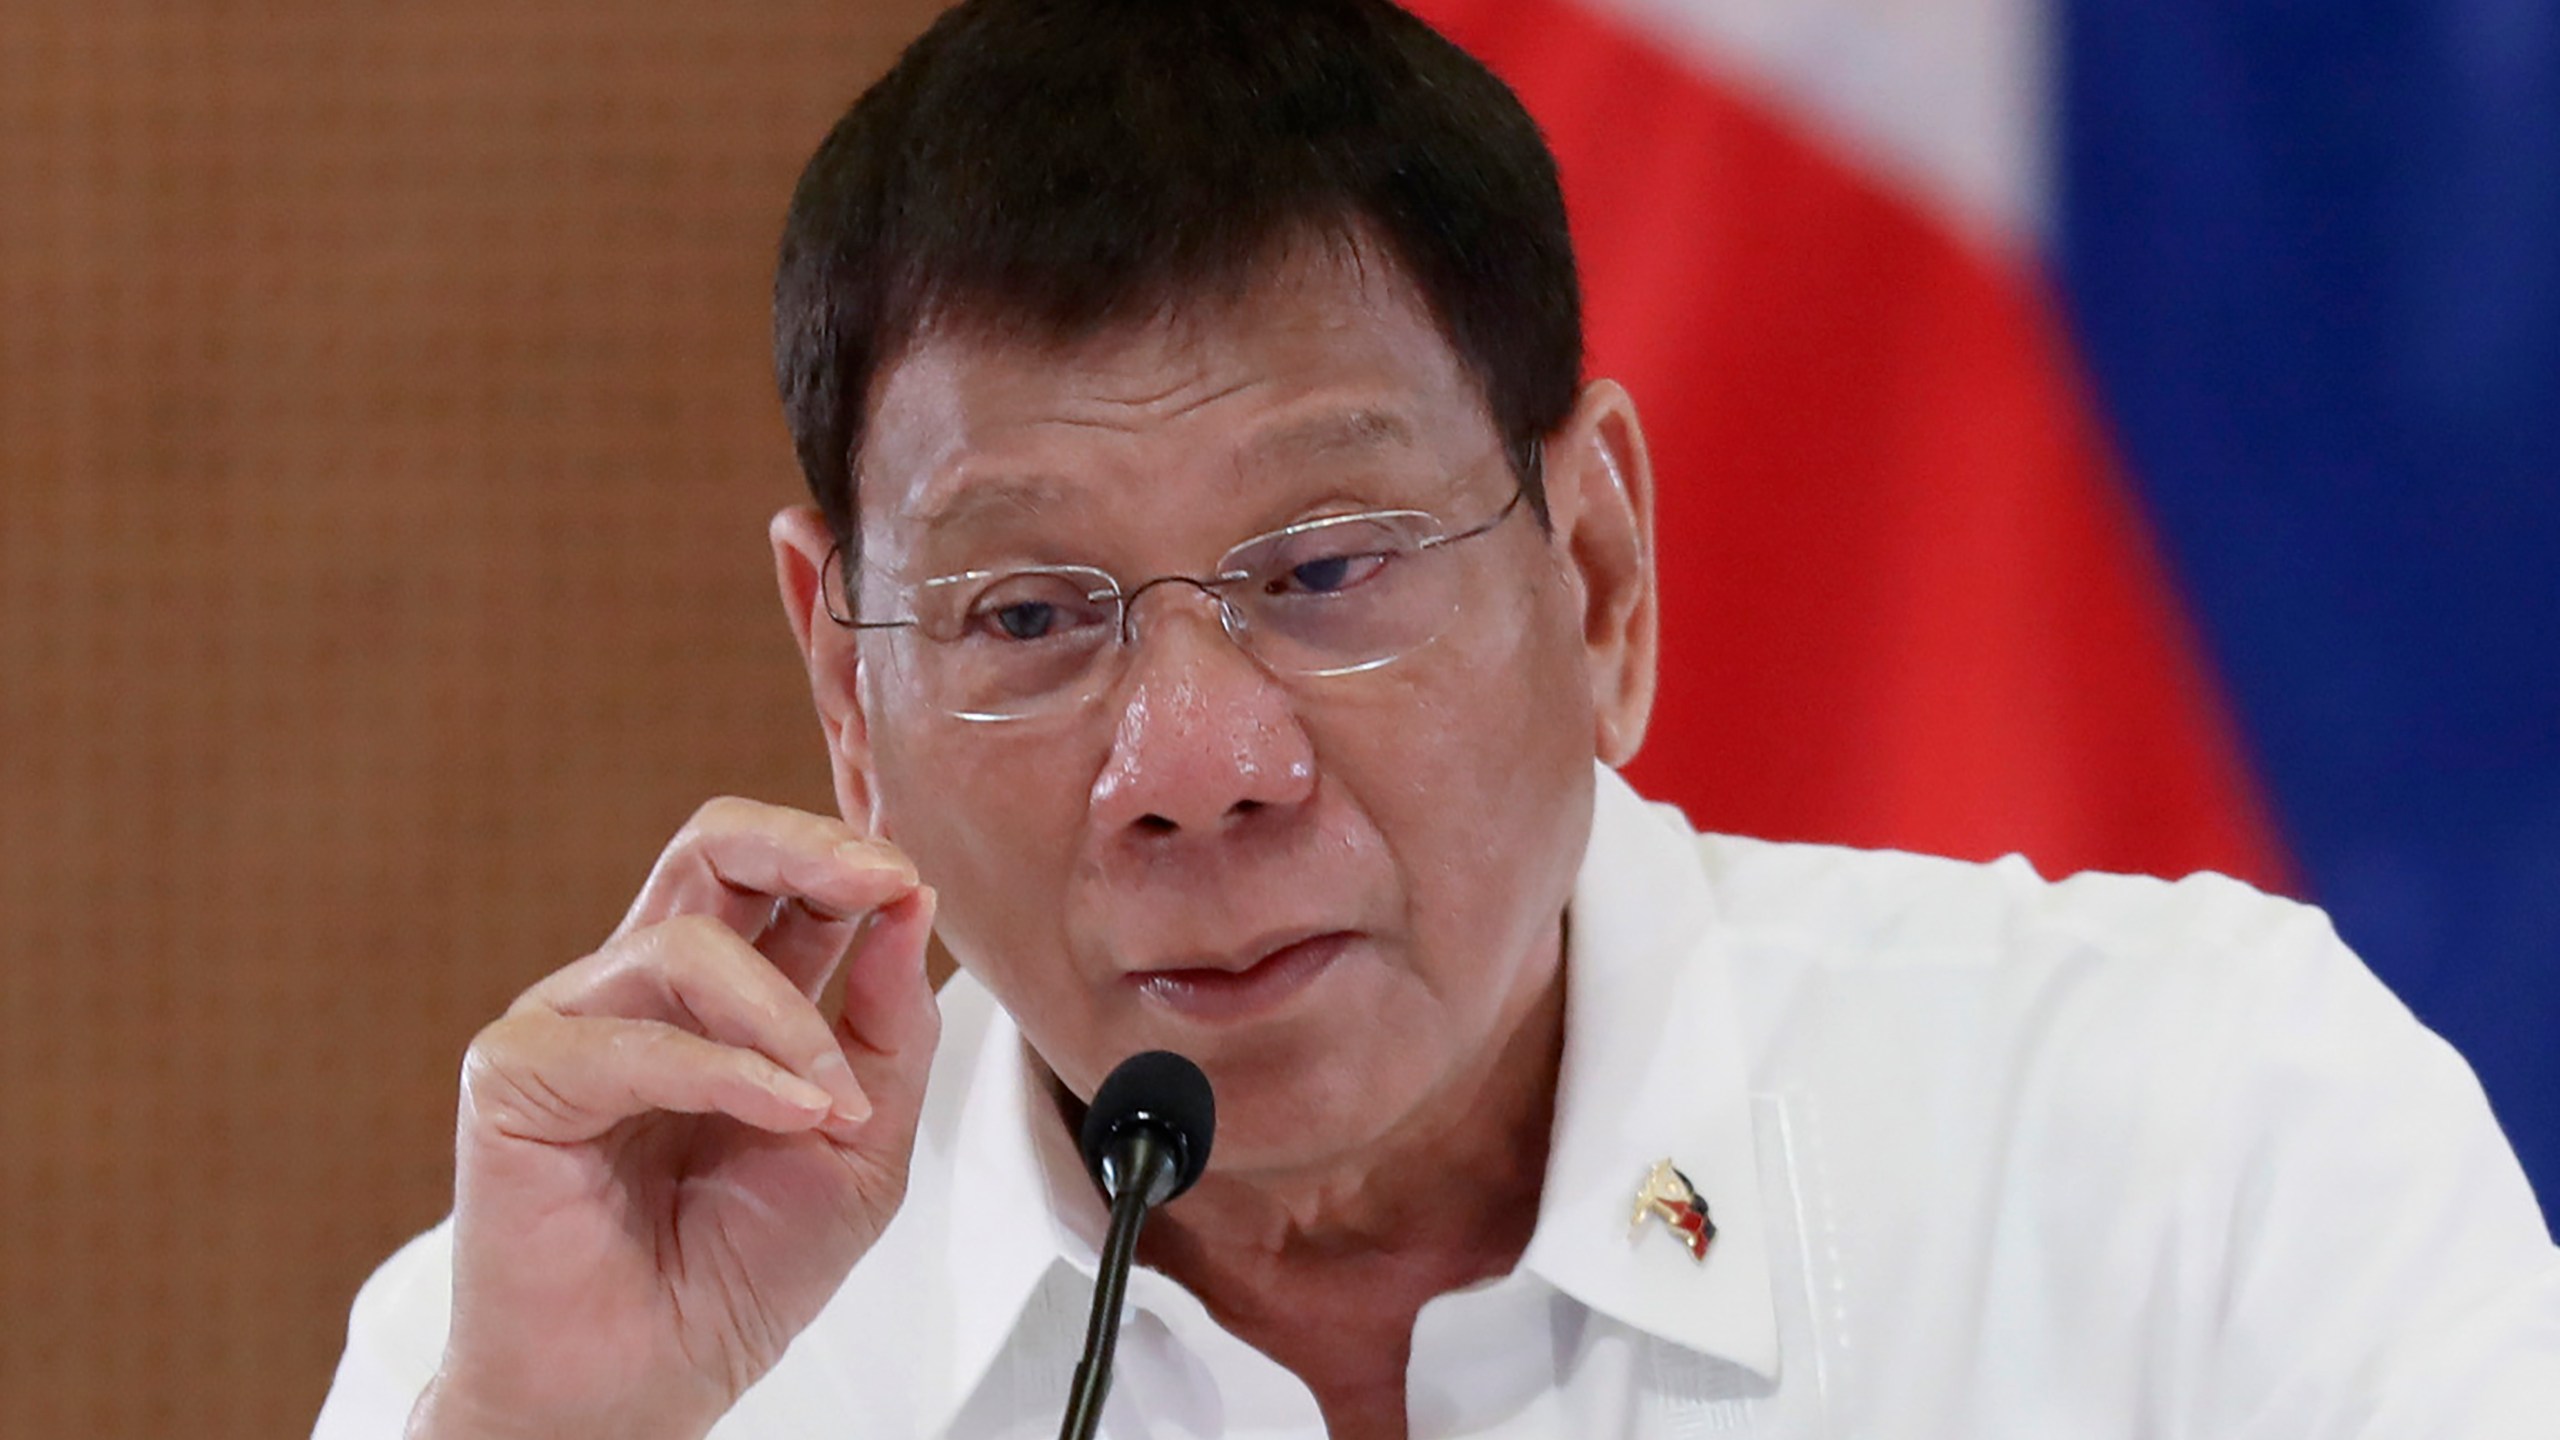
1907 601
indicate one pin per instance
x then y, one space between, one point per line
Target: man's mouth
1211 992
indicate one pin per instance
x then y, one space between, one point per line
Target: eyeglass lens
1329 597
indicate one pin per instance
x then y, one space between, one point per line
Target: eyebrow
977 500
1020 495
1362 429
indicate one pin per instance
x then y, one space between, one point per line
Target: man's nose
1206 737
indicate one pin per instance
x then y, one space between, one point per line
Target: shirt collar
1016 1213
1652 1069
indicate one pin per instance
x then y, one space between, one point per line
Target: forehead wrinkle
1127 414
966 498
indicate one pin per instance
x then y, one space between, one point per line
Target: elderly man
1223 600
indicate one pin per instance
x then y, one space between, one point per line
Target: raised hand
667 1157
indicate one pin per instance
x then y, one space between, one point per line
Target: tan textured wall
385 442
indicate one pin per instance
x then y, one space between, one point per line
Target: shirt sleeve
395 1337
2385 1271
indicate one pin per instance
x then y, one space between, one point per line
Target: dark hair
1052 167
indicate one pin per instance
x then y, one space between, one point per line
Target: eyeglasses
1331 596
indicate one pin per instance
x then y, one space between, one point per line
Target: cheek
1482 784
994 830
1512 701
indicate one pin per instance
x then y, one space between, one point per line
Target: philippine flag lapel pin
1667 1195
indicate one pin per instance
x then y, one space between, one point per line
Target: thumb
891 1020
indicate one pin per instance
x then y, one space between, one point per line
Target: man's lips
1220 991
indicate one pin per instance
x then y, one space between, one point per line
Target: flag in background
2121 431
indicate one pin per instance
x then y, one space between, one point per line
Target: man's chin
1303 1116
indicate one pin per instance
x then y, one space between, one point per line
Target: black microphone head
1158 1089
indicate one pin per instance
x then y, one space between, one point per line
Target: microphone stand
1141 1181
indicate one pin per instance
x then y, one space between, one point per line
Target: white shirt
1989 1156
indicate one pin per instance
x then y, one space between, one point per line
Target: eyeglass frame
1214 586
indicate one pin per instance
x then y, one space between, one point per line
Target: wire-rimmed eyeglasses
1335 595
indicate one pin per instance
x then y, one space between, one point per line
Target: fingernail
847 1118
845 1098
932 903
798 1093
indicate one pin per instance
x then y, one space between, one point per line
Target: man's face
1340 894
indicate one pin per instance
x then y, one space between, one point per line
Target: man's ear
802 549
1600 501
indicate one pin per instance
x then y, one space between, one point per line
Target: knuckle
638 1044
498 1044
702 959
692 944
645 1056
577 977
484 1072
515 1102
502 1080
719 815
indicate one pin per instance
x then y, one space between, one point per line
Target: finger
695 973
735 856
565 1079
890 1023
804 942
889 1009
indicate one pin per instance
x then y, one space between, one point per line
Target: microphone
1146 1139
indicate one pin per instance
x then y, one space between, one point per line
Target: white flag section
1946 99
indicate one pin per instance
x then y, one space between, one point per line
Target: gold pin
1668 1196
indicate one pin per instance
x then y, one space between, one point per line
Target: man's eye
1025 619
1327 574
1024 609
